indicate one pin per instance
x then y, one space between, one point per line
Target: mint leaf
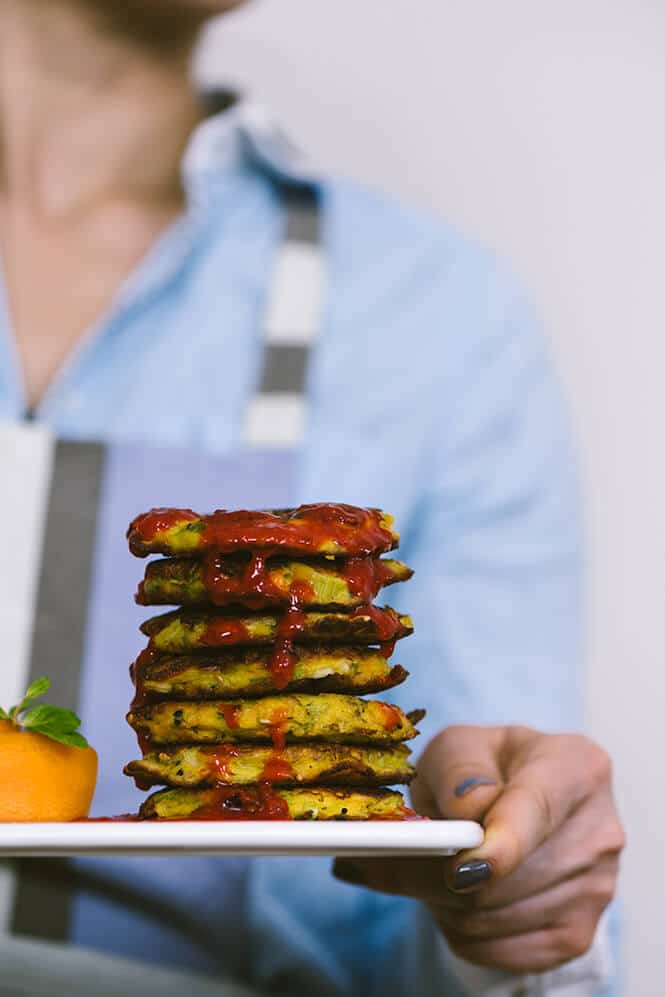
51 721
51 716
58 724
38 689
71 738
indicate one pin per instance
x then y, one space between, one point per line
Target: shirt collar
244 134
220 150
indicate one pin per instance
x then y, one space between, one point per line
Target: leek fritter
298 717
329 584
294 765
190 630
340 530
255 803
225 674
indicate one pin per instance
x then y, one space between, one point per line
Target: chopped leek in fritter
225 674
294 804
298 717
184 630
331 584
295 764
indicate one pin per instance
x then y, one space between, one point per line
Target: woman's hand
530 897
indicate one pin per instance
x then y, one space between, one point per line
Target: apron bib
67 611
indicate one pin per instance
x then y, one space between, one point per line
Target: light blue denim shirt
431 393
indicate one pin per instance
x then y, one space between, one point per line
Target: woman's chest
61 278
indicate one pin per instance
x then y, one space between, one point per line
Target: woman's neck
81 105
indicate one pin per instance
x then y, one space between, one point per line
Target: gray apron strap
41 892
277 412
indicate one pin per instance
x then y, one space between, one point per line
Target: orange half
42 780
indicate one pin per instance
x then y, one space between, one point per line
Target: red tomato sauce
310 528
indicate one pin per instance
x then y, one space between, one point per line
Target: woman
140 233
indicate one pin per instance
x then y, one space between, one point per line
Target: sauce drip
141 697
120 819
321 527
278 722
283 660
252 587
392 717
386 624
277 811
243 803
256 585
149 524
220 768
277 769
365 576
145 659
225 630
230 712
404 813
145 744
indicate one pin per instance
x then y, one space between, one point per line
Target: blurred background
538 127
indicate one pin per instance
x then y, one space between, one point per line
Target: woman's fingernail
471 874
349 872
469 784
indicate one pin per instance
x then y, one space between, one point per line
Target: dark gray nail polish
469 784
471 874
348 872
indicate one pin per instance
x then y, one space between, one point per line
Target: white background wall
540 126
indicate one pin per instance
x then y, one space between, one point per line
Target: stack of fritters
248 696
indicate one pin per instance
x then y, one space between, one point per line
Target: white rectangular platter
240 838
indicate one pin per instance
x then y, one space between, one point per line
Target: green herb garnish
51 721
